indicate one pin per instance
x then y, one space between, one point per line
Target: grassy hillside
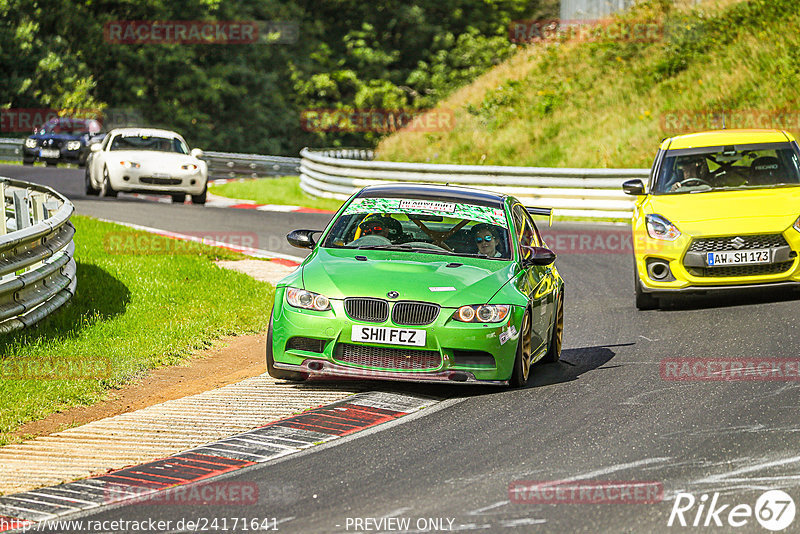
608 102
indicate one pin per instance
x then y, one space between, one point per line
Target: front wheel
522 363
26 161
51 163
201 198
644 301
178 198
105 188
280 374
90 189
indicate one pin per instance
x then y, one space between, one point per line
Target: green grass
132 312
605 103
284 190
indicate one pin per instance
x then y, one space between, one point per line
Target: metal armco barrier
37 265
11 149
595 193
224 165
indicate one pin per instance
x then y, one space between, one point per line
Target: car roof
152 132
725 137
434 192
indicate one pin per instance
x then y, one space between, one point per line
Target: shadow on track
573 363
99 296
729 298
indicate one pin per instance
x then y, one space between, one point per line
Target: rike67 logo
774 510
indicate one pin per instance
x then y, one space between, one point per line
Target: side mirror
538 256
302 238
196 153
95 147
633 187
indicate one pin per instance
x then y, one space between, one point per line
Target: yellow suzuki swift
721 210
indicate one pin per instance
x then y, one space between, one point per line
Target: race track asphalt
604 413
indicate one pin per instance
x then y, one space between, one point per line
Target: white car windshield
146 142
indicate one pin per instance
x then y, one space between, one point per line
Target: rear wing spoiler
547 212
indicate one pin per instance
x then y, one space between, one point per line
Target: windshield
422 226
70 126
723 168
146 142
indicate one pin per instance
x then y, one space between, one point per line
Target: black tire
90 190
51 163
280 374
105 187
26 161
557 336
178 198
644 301
201 198
522 370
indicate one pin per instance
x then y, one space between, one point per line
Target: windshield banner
410 206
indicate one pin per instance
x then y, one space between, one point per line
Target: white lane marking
726 477
511 523
479 511
614 468
250 251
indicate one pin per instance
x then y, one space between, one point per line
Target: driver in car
486 239
692 169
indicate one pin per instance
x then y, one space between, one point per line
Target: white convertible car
146 161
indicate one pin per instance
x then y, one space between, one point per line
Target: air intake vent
414 313
367 309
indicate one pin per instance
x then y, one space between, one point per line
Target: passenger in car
486 238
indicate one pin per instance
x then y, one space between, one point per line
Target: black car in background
61 140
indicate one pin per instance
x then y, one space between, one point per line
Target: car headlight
129 164
796 225
300 298
189 167
31 143
482 313
660 228
73 145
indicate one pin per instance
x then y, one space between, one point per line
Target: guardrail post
4 226
38 208
22 212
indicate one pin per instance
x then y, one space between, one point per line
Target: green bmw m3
420 283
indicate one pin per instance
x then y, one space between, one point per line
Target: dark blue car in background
61 140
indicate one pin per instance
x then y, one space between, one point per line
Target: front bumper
688 274
319 369
144 180
467 352
71 156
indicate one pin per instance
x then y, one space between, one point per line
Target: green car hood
337 274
